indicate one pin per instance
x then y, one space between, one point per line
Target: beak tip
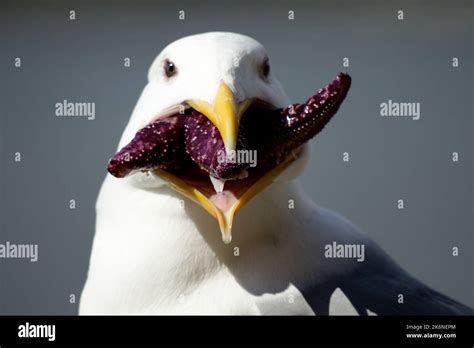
227 238
226 232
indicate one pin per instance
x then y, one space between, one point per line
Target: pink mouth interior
233 189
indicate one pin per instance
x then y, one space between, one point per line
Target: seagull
182 228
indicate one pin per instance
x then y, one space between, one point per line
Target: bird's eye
170 69
265 69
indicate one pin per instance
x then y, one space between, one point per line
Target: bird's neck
150 230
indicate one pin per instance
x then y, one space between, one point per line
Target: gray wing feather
376 284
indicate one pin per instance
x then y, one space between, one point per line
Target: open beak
225 113
285 129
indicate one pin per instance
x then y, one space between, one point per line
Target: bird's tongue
223 198
190 146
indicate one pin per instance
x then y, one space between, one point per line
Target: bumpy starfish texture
205 146
179 141
158 145
275 133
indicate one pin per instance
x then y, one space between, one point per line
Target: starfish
191 142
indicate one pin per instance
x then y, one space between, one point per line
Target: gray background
390 158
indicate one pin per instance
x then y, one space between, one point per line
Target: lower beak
225 217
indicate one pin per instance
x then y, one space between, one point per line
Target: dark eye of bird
170 68
265 69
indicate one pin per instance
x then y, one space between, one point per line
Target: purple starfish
178 141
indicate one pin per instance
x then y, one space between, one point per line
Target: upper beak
224 113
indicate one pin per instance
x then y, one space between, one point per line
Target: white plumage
154 255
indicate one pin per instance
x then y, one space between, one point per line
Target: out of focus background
82 60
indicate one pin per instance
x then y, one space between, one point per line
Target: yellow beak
224 113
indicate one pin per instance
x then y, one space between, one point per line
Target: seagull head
210 90
219 74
